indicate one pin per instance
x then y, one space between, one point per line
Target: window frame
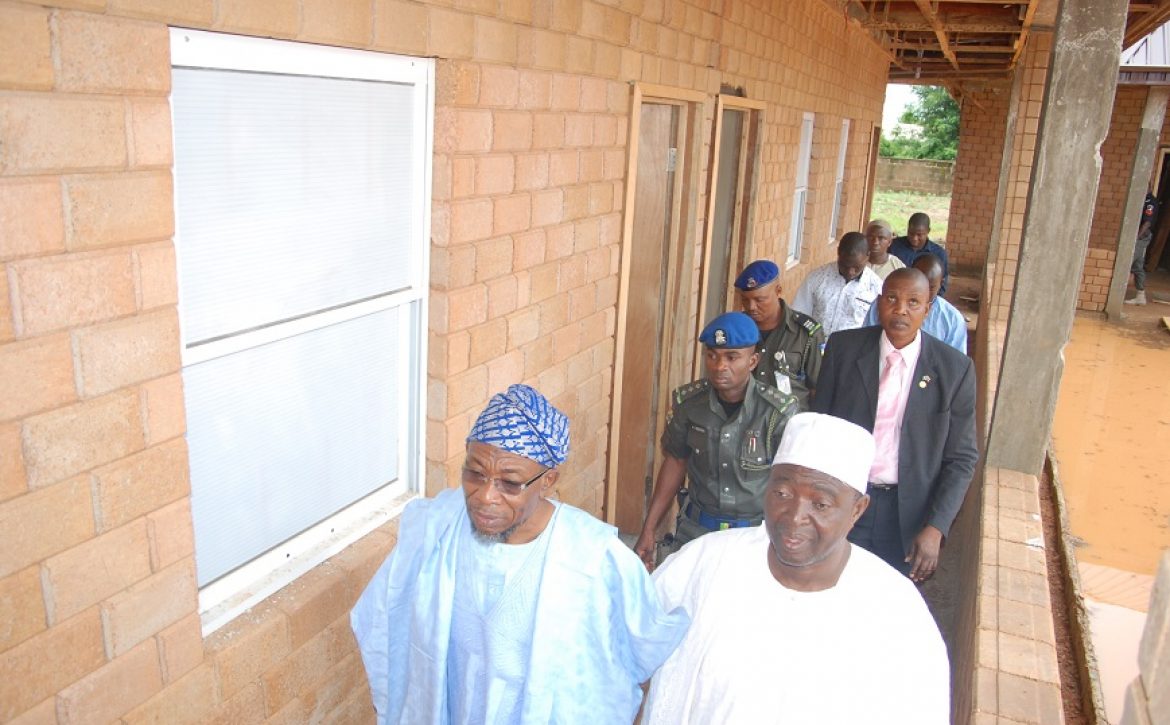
224 598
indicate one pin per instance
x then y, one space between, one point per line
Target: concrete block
499 86
185 701
72 290
48 662
86 574
157 277
150 129
142 483
54 132
105 54
38 375
512 131
193 12
113 689
244 708
124 352
451 33
314 601
181 647
249 646
41 523
26 60
113 209
294 675
172 536
31 217
164 408
337 22
22 601
400 27
278 18
138 613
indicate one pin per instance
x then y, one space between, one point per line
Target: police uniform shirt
728 460
793 351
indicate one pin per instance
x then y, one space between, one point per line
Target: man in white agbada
501 606
790 622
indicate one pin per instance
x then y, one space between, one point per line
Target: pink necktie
885 424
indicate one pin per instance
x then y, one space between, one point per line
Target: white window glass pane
285 434
797 230
292 195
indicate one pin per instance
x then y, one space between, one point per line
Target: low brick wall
920 176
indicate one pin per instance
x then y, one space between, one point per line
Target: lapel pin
924 381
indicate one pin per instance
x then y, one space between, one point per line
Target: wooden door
648 316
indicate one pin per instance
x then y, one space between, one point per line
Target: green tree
937 113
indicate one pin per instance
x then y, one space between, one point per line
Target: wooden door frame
683 199
754 111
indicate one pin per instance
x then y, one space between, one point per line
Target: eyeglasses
508 488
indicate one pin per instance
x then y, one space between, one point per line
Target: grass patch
897 206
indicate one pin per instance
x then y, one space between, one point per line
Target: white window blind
301 209
839 186
307 171
800 194
286 434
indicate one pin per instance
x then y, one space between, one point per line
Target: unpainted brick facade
981 141
98 613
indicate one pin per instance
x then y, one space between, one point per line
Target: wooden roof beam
940 32
1029 14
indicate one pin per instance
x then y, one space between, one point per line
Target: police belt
717 523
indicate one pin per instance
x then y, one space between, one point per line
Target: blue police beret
757 274
731 329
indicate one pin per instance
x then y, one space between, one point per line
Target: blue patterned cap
757 274
522 421
731 329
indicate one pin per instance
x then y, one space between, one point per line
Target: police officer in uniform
721 437
791 342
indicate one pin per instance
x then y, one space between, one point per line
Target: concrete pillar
1139 181
1074 120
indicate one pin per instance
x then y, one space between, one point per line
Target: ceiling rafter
927 10
945 41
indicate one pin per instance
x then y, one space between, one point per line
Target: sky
897 96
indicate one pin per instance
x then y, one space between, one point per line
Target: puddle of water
1116 633
1110 434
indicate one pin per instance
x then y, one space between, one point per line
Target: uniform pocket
753 454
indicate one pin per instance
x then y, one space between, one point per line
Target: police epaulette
690 390
774 395
809 324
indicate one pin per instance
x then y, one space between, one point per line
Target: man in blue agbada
499 605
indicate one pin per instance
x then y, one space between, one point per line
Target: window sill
229 596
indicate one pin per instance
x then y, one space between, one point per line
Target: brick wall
1033 66
98 611
920 176
976 176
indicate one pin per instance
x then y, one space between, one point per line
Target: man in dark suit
917 395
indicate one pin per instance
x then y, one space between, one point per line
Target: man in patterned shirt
839 293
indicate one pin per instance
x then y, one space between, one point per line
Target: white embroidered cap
828 444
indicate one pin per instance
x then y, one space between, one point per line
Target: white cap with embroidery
828 444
